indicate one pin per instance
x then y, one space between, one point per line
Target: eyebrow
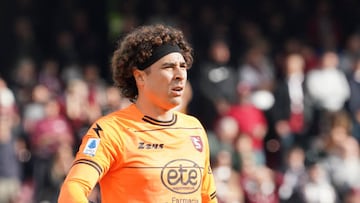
173 64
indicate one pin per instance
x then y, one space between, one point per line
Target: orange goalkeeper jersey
140 159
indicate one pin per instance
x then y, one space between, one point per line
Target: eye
183 65
168 66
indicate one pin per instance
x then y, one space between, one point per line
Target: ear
139 76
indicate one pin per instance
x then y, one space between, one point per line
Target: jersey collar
153 121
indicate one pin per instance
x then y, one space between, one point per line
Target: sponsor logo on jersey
91 146
97 129
143 145
184 200
181 176
197 142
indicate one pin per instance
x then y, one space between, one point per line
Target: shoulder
187 119
119 116
186 116
112 123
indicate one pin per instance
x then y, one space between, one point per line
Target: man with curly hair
148 151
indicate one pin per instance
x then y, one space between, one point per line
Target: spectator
23 80
342 158
96 85
59 167
49 76
77 106
51 134
226 179
354 100
291 112
294 174
223 137
34 110
251 121
259 183
256 69
218 80
328 89
337 131
349 54
10 167
328 86
114 100
343 168
96 90
317 188
310 56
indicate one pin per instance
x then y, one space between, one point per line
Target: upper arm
78 184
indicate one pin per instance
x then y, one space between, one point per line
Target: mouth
177 90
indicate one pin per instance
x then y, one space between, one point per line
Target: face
163 83
295 64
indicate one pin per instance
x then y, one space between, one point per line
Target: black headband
158 53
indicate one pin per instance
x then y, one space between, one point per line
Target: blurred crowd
276 85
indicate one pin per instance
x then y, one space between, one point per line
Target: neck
154 111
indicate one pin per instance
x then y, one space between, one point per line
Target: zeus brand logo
143 145
181 176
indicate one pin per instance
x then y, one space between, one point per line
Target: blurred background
276 85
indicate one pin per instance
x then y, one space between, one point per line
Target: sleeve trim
213 195
95 165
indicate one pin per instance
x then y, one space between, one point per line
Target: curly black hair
137 46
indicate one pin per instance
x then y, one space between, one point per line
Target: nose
180 73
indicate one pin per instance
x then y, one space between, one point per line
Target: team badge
197 142
91 146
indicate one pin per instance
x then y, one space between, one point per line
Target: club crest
197 142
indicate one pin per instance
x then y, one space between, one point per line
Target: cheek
158 84
184 73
